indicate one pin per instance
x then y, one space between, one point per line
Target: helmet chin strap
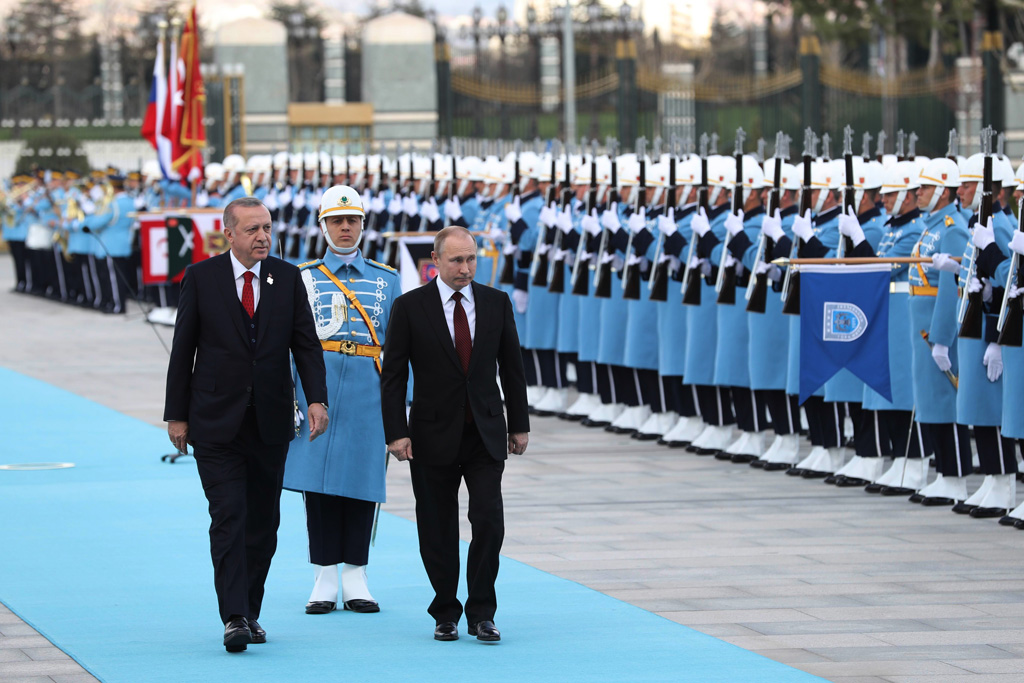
976 200
334 247
939 191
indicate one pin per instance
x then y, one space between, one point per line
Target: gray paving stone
17 628
20 642
45 668
74 678
12 655
41 654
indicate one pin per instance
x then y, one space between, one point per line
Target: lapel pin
270 279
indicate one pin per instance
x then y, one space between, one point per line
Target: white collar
446 291
237 268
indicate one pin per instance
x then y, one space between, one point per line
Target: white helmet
940 173
972 170
824 176
1020 177
721 176
900 178
151 170
280 165
340 200
214 173
233 164
753 177
789 177
1002 171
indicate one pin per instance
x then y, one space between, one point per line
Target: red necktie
248 300
463 342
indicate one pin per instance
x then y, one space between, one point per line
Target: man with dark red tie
459 337
230 395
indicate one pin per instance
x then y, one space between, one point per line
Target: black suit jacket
214 369
418 334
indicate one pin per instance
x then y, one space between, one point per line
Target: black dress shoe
320 607
544 413
362 606
842 481
446 630
794 471
1019 524
640 436
485 631
1008 521
776 466
897 491
743 458
916 497
236 634
965 509
259 636
814 474
570 417
874 488
936 501
619 430
722 455
832 479
988 513
705 451
758 463
587 422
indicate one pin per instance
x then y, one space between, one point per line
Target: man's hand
178 431
517 443
401 449
734 223
771 226
984 235
317 420
513 211
802 226
945 263
849 225
699 223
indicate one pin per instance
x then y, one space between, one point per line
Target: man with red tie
459 337
230 395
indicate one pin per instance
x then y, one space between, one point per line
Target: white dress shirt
449 307
239 270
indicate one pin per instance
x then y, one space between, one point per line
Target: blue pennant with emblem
844 323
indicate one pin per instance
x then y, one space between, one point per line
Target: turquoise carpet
110 561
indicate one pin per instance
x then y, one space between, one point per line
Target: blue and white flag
844 323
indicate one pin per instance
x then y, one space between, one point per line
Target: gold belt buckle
347 347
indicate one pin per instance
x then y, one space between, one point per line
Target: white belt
899 288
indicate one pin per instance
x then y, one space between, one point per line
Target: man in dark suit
458 335
230 395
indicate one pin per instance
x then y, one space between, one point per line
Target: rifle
581 266
692 276
952 148
1011 313
603 273
865 146
657 285
880 150
294 246
757 292
432 187
791 284
314 242
539 265
971 311
849 195
556 279
631 269
508 268
725 285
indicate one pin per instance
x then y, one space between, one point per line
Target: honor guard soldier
15 227
111 226
342 476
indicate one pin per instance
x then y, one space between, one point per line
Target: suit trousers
242 481
436 488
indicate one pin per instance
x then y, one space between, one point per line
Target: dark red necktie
463 342
249 300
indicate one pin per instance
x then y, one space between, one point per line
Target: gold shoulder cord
359 307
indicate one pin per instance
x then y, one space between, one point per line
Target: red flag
189 161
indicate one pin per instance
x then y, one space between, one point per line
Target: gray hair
445 233
230 219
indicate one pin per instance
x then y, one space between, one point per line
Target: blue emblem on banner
844 322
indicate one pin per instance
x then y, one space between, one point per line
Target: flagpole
856 261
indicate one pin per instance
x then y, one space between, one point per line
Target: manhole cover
38 466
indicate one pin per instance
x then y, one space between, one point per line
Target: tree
45 46
305 49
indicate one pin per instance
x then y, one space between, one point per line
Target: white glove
1017 243
591 224
1015 291
802 226
667 223
610 218
940 354
945 263
984 235
429 211
512 210
563 220
299 200
520 297
730 262
771 226
993 360
700 224
395 205
985 288
850 226
734 223
453 209
377 203
410 205
773 271
637 221
548 215
367 198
